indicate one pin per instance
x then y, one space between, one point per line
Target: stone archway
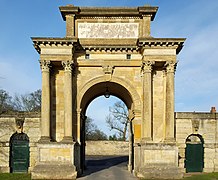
108 48
98 87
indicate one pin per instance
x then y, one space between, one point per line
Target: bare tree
28 102
5 101
118 119
92 132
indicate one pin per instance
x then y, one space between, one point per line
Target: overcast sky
196 20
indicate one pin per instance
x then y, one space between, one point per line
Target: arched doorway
19 152
194 153
99 89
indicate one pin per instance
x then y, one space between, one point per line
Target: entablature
99 12
39 42
161 43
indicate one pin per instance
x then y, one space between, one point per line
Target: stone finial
195 125
19 124
213 110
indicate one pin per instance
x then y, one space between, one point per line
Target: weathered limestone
152 157
147 101
108 50
45 107
110 148
68 101
8 126
56 161
170 70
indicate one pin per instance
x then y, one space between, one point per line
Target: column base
44 139
67 140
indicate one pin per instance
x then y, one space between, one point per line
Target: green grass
208 176
22 176
14 176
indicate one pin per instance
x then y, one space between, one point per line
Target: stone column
147 101
70 25
45 107
169 132
68 104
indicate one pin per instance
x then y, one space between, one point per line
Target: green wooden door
19 153
194 158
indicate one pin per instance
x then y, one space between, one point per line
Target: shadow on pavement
98 163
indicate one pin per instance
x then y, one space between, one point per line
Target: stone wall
8 127
203 124
119 148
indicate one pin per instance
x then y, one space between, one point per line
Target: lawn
20 176
14 176
209 176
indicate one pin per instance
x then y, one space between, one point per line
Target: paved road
101 168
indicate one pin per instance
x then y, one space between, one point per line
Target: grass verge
206 176
15 176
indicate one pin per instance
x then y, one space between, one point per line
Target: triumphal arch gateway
107 50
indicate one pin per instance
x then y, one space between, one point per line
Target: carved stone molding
45 65
195 125
170 67
68 65
108 69
147 66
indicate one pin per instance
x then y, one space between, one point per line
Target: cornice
108 45
162 42
100 12
39 41
112 49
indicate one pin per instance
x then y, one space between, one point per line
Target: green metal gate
19 153
194 154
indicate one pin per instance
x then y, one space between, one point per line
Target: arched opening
19 153
104 89
194 153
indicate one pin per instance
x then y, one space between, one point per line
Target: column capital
68 65
147 66
45 65
170 66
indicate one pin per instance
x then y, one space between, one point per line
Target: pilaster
68 105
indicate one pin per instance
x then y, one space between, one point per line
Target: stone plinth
159 160
56 161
